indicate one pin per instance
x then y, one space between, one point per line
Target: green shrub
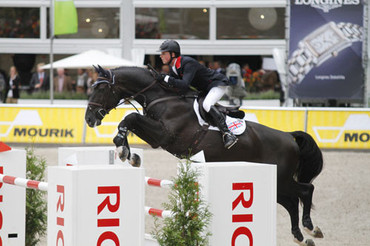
36 205
191 217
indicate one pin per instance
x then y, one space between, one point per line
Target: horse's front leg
149 130
123 149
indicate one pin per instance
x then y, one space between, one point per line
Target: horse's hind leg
306 198
291 205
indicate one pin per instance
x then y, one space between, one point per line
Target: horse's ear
103 72
96 69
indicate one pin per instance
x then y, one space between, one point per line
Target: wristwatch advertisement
325 52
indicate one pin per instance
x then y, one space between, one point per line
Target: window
172 23
19 22
96 23
251 23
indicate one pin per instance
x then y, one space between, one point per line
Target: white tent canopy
89 58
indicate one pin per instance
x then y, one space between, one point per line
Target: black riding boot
228 138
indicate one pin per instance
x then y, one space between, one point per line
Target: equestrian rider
186 71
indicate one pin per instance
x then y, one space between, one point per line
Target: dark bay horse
169 122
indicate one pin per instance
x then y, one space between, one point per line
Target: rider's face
165 56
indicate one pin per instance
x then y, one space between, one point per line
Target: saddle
232 111
234 117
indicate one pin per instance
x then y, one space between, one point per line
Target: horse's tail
310 157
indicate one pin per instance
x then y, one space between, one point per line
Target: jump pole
26 183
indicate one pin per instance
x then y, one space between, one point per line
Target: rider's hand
162 77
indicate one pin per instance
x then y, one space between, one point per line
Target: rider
186 71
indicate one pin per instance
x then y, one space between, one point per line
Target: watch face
324 41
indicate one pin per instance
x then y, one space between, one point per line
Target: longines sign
326 5
318 67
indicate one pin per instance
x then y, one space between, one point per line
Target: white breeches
213 96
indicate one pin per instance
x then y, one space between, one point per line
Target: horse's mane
142 73
129 70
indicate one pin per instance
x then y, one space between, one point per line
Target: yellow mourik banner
19 124
108 128
280 119
348 129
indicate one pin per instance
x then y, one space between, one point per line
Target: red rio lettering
245 217
108 235
111 191
60 236
243 186
60 209
60 203
242 231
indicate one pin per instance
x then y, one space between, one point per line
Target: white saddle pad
235 125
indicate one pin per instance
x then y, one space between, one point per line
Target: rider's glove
162 77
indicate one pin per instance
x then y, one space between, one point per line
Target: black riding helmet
171 46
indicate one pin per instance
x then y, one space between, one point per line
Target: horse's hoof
316 232
308 242
122 152
297 235
135 160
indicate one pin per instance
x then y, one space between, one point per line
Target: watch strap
353 32
301 62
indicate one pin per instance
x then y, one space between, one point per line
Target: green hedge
46 95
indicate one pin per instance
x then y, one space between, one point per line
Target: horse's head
103 98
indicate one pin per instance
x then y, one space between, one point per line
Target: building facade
134 29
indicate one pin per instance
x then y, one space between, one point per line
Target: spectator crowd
10 85
243 80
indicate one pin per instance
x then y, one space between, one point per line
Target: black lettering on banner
68 133
364 137
355 137
54 131
19 132
43 132
32 132
348 137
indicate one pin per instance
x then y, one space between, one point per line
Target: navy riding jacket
191 73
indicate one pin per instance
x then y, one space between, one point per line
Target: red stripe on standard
155 212
154 182
9 179
33 184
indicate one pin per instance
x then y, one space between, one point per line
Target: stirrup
232 139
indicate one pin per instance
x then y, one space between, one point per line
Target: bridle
101 111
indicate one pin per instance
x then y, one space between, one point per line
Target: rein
152 103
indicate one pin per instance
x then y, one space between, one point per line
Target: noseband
100 112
